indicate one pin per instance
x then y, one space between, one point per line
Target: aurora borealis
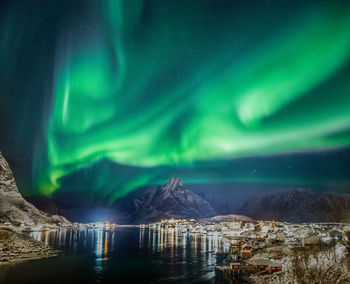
127 93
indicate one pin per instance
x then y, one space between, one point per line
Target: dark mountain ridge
170 200
299 205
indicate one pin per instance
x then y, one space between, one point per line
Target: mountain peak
171 200
173 183
301 190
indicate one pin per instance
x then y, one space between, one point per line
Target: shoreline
17 247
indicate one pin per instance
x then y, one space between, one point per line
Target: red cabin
247 247
236 266
246 253
259 263
273 267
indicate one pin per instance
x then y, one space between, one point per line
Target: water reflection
172 254
101 250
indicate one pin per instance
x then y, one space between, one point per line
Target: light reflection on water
178 256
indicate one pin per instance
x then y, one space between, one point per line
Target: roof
312 237
260 261
274 264
247 247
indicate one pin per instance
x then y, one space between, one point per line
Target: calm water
123 255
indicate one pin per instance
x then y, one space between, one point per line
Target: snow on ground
314 258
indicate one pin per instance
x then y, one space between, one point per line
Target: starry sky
102 97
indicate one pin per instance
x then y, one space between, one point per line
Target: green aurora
185 87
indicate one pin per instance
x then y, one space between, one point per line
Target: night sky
102 97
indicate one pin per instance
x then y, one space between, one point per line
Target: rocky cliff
14 208
16 247
170 200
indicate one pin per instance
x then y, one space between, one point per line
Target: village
252 252
263 251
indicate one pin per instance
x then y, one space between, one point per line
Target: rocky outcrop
15 247
299 205
14 208
228 218
168 201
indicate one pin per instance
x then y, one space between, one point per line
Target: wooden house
259 263
245 253
235 266
273 267
311 240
